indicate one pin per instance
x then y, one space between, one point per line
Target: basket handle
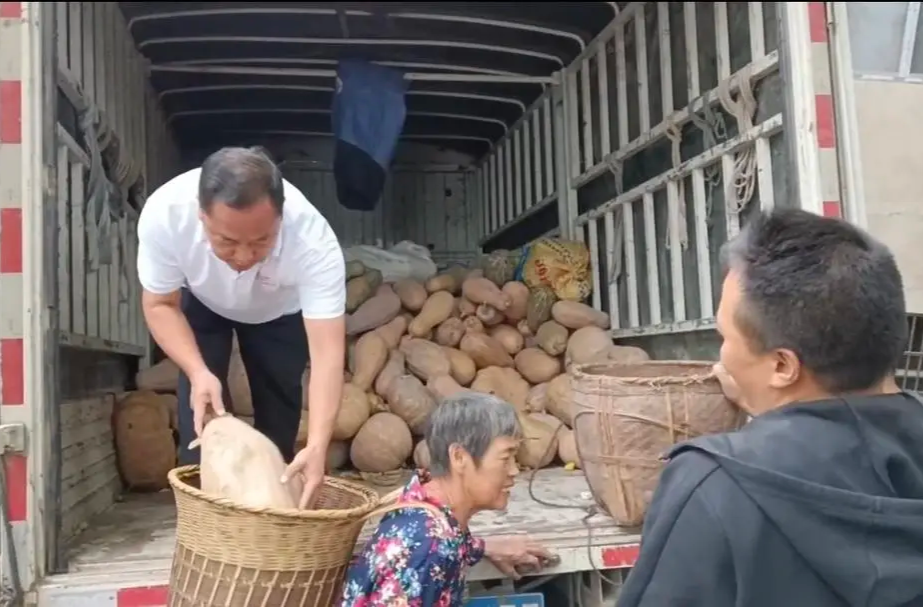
390 504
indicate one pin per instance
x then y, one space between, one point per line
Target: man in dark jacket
818 501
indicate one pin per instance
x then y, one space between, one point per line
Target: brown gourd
538 396
482 291
536 366
560 402
463 368
511 339
552 338
425 358
466 308
444 386
393 331
519 300
374 312
353 412
539 441
503 382
450 332
411 401
438 308
393 369
485 351
576 315
489 315
371 354
411 293
354 269
442 282
588 344
382 444
358 290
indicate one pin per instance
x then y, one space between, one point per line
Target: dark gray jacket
814 505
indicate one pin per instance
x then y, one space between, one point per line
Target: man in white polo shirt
233 247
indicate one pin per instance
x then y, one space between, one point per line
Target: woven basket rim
177 480
581 371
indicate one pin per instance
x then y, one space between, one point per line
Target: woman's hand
510 552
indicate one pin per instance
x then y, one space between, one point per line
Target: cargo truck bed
128 548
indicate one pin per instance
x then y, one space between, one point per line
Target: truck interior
649 103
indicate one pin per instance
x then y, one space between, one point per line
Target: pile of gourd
411 343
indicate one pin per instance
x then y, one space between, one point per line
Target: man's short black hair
824 289
240 178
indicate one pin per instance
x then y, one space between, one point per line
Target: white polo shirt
305 270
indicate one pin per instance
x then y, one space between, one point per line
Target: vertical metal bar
909 39
702 252
722 40
593 244
612 251
527 171
508 209
650 255
518 170
764 173
496 164
586 116
621 84
631 265
536 121
644 98
757 36
548 145
602 86
666 58
572 139
677 278
561 160
692 49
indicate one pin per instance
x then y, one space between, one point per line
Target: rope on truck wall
106 202
743 109
714 130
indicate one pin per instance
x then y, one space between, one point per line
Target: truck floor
131 545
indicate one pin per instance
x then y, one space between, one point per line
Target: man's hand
204 391
509 552
309 463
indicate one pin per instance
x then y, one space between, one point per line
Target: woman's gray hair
472 420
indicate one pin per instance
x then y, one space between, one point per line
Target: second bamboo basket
627 416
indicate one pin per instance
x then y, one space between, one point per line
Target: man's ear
787 370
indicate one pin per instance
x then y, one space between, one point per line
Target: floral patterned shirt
414 559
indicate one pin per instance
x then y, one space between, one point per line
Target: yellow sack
563 265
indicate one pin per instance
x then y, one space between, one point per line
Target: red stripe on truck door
150 596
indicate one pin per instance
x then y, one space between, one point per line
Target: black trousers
275 355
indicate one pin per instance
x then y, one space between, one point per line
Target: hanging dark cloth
368 117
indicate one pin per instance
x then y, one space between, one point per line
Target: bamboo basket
236 556
628 416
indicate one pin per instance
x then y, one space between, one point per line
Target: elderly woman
419 557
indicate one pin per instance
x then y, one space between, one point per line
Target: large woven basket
627 416
235 556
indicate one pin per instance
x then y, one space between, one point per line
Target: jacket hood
842 480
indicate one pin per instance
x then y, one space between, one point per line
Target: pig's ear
195 444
